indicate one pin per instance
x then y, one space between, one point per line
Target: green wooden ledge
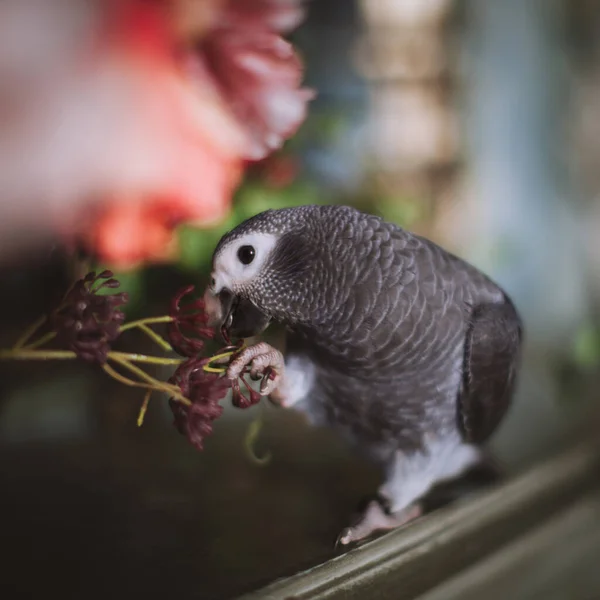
407 563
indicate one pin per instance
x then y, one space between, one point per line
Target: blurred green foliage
133 282
586 347
255 195
404 211
196 245
323 126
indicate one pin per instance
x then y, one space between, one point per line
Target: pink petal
259 74
281 16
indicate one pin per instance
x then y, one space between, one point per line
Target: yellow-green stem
124 380
36 354
210 369
149 321
142 358
158 339
41 341
250 439
29 332
25 354
220 357
144 408
159 385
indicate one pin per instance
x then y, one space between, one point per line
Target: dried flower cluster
203 388
88 322
189 325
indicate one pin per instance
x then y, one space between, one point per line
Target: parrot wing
491 359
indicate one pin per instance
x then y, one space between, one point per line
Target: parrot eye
246 254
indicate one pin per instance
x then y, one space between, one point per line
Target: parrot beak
236 317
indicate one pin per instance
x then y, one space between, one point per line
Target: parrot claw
266 364
376 518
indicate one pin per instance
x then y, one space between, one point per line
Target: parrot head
259 272
238 269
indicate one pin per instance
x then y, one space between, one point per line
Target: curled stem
210 369
222 357
249 441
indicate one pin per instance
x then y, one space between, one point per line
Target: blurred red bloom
233 94
257 72
146 118
277 171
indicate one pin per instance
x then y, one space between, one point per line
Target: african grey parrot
405 349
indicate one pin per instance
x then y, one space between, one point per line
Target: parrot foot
265 362
377 517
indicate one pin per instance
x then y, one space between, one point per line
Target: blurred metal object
405 55
583 22
518 218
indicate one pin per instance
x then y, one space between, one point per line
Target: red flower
233 96
147 110
257 72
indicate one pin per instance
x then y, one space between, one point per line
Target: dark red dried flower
204 390
88 323
189 325
240 399
187 334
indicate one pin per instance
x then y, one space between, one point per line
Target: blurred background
473 122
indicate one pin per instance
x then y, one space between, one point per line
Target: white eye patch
241 260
